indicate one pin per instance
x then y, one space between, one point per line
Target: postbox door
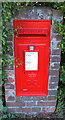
32 63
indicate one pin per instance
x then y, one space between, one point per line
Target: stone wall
36 104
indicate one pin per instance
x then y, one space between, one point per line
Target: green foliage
9 9
61 31
60 27
62 74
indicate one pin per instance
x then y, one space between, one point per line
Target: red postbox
31 52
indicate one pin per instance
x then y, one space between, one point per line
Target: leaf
4 116
4 109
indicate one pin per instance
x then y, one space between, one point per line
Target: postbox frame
48 33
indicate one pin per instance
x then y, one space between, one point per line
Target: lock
31 47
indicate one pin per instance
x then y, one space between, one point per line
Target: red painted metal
32 33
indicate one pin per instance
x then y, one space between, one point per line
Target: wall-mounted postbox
31 51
